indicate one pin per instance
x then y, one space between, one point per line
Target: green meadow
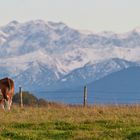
61 122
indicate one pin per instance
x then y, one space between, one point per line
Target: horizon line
82 30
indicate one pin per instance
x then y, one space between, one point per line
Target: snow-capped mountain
46 55
92 72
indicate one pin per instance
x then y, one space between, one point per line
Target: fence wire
93 97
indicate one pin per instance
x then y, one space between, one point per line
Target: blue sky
95 15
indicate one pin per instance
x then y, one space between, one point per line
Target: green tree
28 99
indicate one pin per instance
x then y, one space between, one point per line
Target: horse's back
7 82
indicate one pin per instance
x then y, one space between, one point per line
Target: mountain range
41 55
120 87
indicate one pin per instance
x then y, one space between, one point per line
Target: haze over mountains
119 87
43 55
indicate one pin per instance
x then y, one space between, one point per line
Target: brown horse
6 92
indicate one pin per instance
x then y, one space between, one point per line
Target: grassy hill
60 122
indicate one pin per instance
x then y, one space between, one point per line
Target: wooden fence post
21 97
85 96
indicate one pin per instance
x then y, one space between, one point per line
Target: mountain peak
11 27
137 30
13 23
56 25
107 34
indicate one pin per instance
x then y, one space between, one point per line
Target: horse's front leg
2 103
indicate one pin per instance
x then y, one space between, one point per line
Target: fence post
21 97
85 96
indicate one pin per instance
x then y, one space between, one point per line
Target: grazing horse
6 92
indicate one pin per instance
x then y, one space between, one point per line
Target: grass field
71 122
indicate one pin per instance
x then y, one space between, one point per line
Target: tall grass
61 122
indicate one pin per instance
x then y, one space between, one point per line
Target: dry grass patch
60 122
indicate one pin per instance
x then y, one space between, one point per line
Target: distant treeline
29 99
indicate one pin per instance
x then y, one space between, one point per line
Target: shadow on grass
14 135
22 125
61 125
109 124
134 136
56 135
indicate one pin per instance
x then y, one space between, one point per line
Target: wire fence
93 96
